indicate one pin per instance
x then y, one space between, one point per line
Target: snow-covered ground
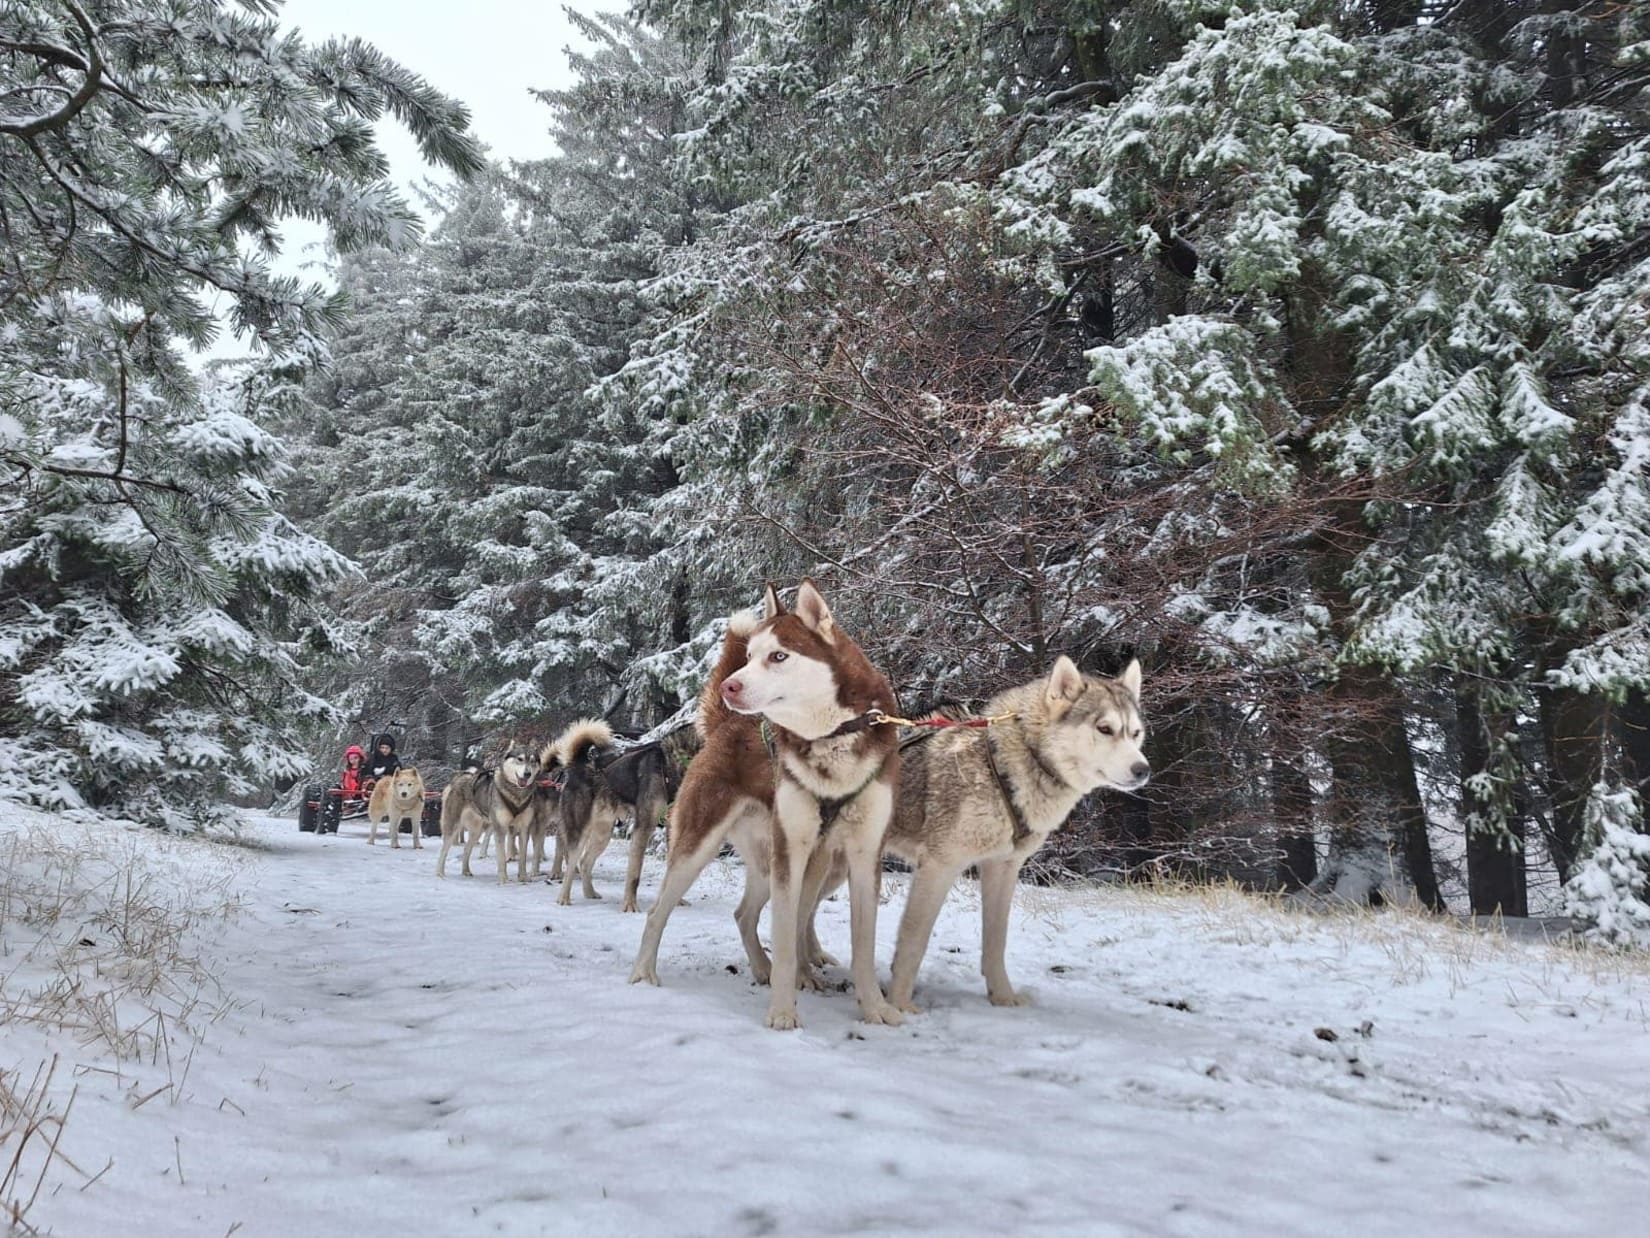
349 1046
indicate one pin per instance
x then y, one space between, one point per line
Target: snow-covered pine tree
1408 220
1609 891
501 510
875 371
156 604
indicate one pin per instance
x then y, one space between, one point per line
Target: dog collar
870 718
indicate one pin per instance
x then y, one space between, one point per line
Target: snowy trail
415 1056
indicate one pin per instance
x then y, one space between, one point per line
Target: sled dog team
803 773
573 788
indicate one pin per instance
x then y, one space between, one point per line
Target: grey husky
502 801
991 797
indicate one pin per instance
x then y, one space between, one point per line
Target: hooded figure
350 780
383 759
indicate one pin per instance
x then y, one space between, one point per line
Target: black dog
602 787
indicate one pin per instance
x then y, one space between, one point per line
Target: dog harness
829 809
1022 831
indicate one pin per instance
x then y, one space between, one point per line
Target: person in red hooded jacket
350 782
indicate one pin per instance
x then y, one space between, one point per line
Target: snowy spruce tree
1295 347
1609 892
1355 281
158 608
506 528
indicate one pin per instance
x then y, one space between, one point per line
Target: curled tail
712 711
550 757
579 738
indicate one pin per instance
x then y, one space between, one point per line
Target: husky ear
772 607
1130 678
811 609
1065 681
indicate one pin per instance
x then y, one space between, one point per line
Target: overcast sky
488 53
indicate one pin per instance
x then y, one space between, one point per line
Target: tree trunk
1297 866
1495 852
1379 850
1378 845
1573 728
1633 723
1179 803
1135 817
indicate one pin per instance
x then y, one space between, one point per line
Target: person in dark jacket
383 759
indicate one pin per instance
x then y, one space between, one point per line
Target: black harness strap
829 809
1022 831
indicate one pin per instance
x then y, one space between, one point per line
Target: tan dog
824 790
398 797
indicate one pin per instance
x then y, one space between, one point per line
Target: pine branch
92 66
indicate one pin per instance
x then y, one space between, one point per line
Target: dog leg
680 873
372 830
538 853
997 881
594 844
503 842
862 841
812 950
795 834
555 867
749 912
814 880
446 846
929 886
470 833
418 832
649 808
393 825
575 852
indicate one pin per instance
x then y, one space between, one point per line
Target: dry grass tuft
97 927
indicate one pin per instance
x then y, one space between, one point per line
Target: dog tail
550 755
712 712
577 740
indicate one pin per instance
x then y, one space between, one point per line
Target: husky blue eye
778 655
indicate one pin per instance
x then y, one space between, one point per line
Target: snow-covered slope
380 1052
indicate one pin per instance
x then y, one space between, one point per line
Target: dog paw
908 1006
564 900
825 958
629 905
1009 998
762 974
595 895
783 1018
883 1013
644 975
808 979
